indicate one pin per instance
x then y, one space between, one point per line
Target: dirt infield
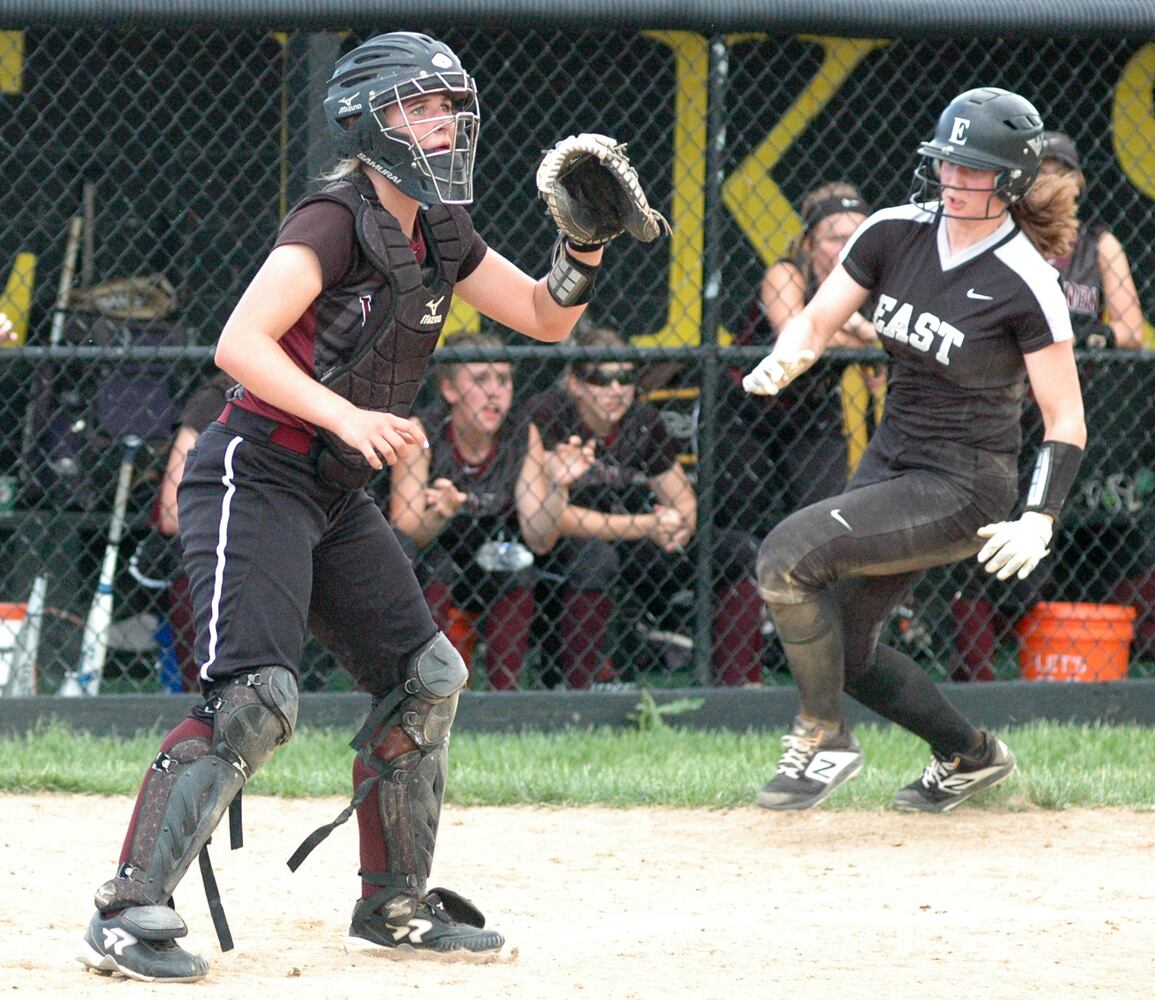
601 903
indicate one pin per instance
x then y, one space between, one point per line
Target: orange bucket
1075 642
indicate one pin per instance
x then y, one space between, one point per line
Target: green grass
1061 767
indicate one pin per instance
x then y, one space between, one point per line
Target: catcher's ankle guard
570 281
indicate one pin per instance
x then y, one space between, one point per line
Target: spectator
1104 536
476 507
1095 272
632 516
814 421
968 311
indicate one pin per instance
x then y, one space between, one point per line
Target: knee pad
253 714
434 677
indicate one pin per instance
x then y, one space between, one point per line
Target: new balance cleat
813 764
947 781
442 922
139 943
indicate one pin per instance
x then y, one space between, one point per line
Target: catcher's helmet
389 69
985 129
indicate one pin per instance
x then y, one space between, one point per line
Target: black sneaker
814 763
441 921
139 943
948 781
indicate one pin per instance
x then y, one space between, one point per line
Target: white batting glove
1015 547
776 371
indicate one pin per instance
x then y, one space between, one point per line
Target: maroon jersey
490 512
329 331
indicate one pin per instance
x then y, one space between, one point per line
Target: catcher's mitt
593 192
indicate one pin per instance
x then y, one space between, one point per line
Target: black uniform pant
272 553
832 573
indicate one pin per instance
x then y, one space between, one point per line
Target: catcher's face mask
429 131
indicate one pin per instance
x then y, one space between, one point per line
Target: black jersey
637 449
956 327
1082 282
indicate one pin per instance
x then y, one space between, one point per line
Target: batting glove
776 371
1015 547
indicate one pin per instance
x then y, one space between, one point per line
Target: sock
899 689
507 626
737 649
975 640
811 637
585 617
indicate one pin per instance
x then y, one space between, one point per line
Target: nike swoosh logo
837 515
972 294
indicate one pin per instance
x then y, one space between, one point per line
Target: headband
833 205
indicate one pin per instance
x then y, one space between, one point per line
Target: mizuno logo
434 316
347 105
972 294
837 515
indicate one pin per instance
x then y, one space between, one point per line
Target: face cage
926 191
446 174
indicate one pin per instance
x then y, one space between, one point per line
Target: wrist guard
570 282
1056 468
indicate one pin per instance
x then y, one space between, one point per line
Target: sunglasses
593 375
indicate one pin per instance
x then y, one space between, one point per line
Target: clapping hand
671 530
571 459
443 498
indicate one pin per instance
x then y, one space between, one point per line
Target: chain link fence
147 173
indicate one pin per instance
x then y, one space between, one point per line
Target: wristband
582 247
1056 468
570 282
1098 339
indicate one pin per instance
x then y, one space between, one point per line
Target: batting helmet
387 70
985 129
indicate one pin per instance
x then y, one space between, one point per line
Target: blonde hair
463 338
1047 213
341 170
796 248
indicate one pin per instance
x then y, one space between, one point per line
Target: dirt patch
661 903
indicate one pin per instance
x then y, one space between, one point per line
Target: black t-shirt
639 448
956 327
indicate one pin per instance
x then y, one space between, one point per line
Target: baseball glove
593 192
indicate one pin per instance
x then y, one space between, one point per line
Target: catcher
328 344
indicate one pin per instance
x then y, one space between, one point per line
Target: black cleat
813 764
948 781
425 925
139 942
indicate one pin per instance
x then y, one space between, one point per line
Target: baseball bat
85 680
67 276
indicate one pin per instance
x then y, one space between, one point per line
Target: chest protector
397 307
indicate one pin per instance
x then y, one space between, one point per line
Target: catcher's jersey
956 327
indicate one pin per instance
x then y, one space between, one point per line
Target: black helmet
389 69
986 129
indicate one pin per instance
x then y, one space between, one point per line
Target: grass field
1060 767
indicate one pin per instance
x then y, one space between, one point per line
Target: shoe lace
796 756
938 770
